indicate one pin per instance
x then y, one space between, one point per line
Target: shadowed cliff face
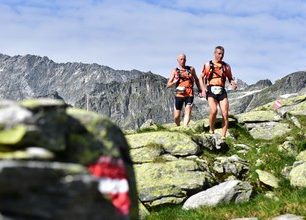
129 98
132 102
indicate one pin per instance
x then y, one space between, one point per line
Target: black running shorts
218 97
180 101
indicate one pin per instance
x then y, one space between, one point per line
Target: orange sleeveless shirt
186 81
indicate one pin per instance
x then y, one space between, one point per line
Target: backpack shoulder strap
224 71
227 72
223 65
211 66
188 68
211 70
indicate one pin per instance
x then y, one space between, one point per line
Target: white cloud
263 39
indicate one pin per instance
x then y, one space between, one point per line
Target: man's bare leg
224 106
177 115
187 114
213 110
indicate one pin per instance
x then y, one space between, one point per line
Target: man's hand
176 78
203 94
234 84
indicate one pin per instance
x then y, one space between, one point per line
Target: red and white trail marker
277 104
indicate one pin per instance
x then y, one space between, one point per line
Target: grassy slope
286 199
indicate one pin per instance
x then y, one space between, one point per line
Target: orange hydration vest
185 82
215 75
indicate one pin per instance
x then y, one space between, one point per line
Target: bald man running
183 78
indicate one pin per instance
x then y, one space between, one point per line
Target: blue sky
263 39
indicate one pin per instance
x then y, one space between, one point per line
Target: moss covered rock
267 178
297 175
175 143
44 129
301 156
269 130
258 116
12 136
168 182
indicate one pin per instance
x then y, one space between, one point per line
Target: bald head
181 59
181 55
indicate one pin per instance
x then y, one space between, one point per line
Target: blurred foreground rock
63 163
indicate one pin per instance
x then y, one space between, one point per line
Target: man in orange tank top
183 79
212 81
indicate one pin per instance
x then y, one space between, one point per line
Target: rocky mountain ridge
129 98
